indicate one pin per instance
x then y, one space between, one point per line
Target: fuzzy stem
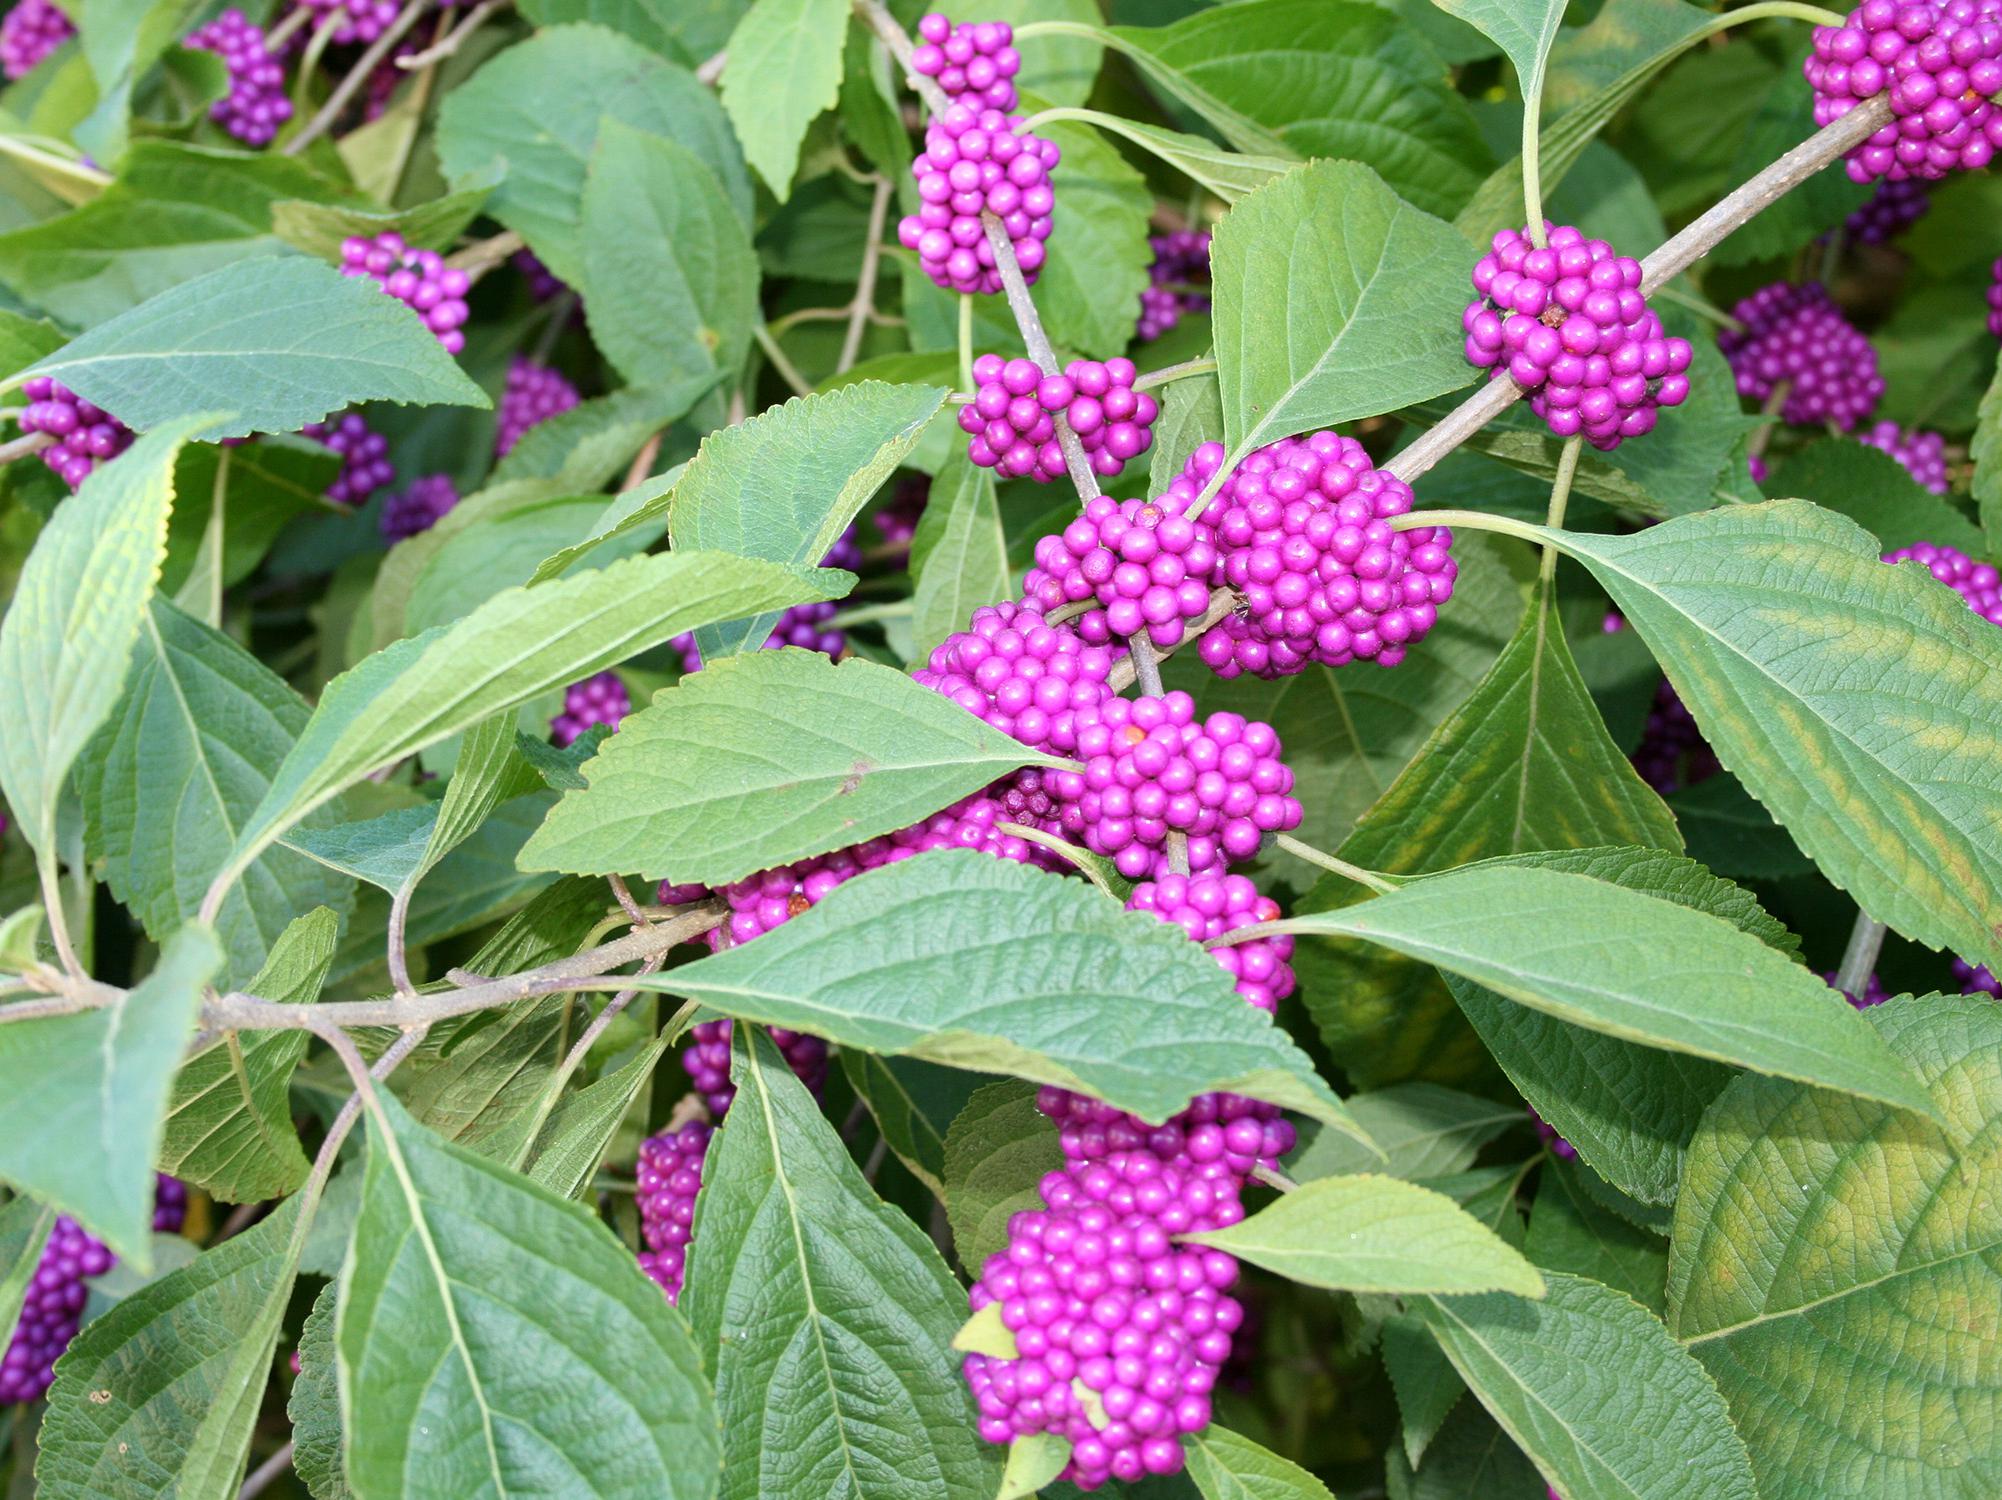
788 372
1335 864
1560 498
1866 941
1169 373
865 286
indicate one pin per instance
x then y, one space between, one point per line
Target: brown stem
349 86
865 286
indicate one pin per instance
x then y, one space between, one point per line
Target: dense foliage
781 748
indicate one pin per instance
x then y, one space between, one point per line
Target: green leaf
1034 1461
200 731
1835 1267
785 484
765 758
24 1230
1875 491
828 1315
1061 68
318 228
1375 1234
1986 451
1523 31
593 442
60 664
1226 1466
1423 1130
275 342
1569 1230
315 1405
88 1092
487 771
1089 288
632 513
1861 704
959 555
962 959
1471 1456
1596 1391
492 1334
1730 833
435 685
785 69
1229 175
384 850
1000 1147
914 1105
159 1397
229 1122
1334 299
23 340
573 1142
678 31
1651 971
1322 78
265 486
1191 415
469 565
1428 1387
670 279
522 108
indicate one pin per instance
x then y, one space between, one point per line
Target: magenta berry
30 32
1304 529
1207 907
1553 1142
1141 564
897 522
85 434
670 1177
1012 417
419 507
974 162
1180 260
974 61
421 280
256 104
1672 753
1874 992
1975 979
1923 454
596 700
1796 337
706 1061
365 465
1021 674
1995 300
1893 208
1569 325
362 21
1756 467
534 393
1976 582
1940 61
170 1203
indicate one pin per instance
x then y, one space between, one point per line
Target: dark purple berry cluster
897 522
1181 264
976 162
1897 204
1012 417
418 508
534 393
803 625
1672 753
1552 1141
1940 61
601 699
361 21
85 434
256 104
706 1061
1976 582
1023 675
1874 992
421 280
976 62
1995 299
365 465
1568 324
1976 979
1141 565
30 32
1796 338
1208 906
670 1176
1923 454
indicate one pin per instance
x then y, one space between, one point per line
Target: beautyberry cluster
534 393
1975 979
362 21
1012 417
803 625
435 291
365 465
1923 454
30 32
1553 1142
1976 582
1796 337
897 522
1303 528
418 508
1140 564
257 103
1893 208
1940 61
1181 258
1672 753
1021 674
706 1061
85 434
601 699
976 62
1208 906
974 162
1568 324
670 1175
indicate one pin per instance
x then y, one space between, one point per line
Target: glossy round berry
30 32
365 465
1021 674
706 1061
417 278
170 1204
1553 1142
1012 417
1207 907
1976 979
1568 324
1794 336
1181 266
1756 467
362 21
1893 208
1976 582
975 61
418 508
1940 61
596 700
85 434
534 393
257 103
1303 527
1672 753
1874 992
975 161
1140 564
1923 454
670 1177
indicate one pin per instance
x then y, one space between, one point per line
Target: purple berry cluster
670 1176
256 104
365 465
1012 417
1874 992
85 434
543 283
362 21
1975 979
1995 299
1140 564
1568 324
1976 582
1180 259
534 393
1303 528
1940 61
1795 336
601 699
1672 753
803 625
1923 454
975 163
1208 906
30 32
435 291
1552 1141
1152 768
897 522
1021 674
1896 205
418 508
976 62
706 1061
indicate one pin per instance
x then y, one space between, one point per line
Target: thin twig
1168 373
642 464
21 447
349 86
625 899
438 52
865 288
261 1477
399 960
481 256
788 372
1866 941
711 71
